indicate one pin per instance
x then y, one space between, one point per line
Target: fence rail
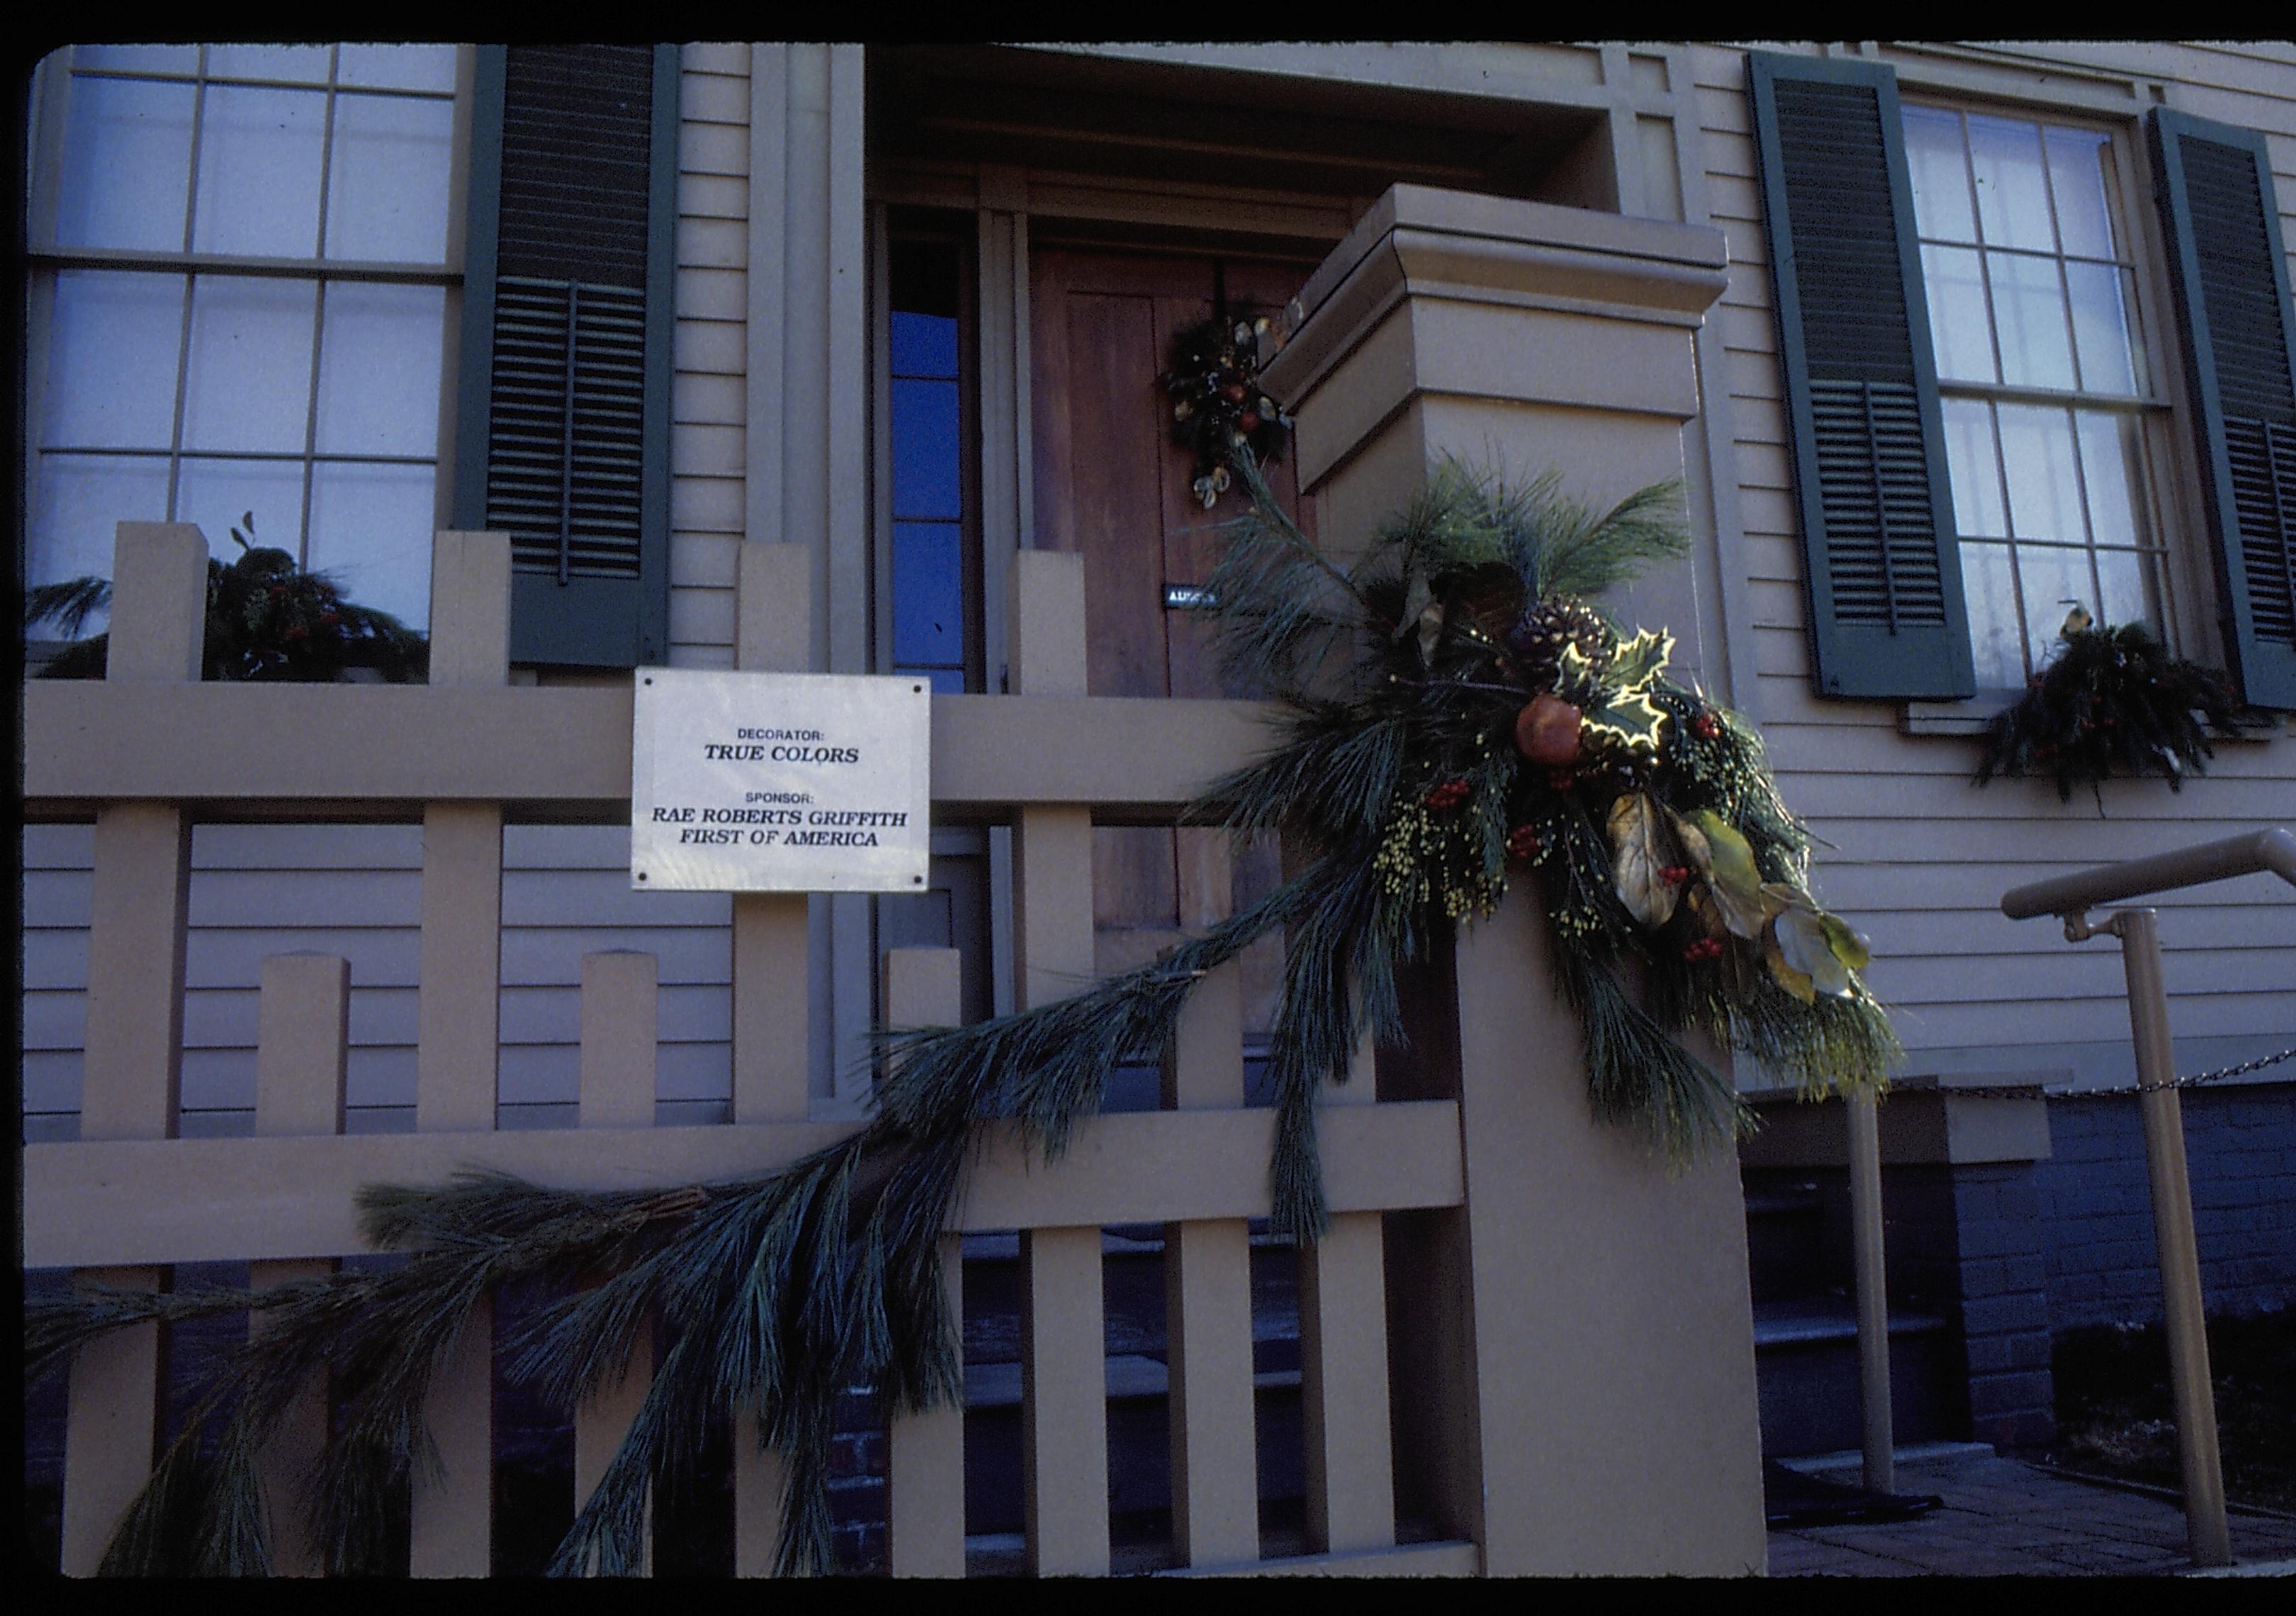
150 750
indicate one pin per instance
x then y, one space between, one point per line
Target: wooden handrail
2257 852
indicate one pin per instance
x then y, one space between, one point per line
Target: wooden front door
1112 484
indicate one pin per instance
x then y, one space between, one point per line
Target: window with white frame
2042 377
241 269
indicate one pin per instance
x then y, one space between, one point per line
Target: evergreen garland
268 619
2110 701
1455 716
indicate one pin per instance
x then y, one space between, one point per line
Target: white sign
779 783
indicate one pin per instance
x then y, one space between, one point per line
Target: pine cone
1546 626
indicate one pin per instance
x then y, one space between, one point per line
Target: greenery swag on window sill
267 620
2113 702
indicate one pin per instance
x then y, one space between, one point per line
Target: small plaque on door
779 783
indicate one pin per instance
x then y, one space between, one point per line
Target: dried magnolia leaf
1793 981
1416 599
1801 942
1726 860
1487 597
1703 909
1850 946
1638 832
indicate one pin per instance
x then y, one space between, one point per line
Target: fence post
302 1046
132 1064
773 607
1064 1356
925 1480
457 1042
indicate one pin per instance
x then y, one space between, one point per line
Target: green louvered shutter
1882 564
2225 261
563 437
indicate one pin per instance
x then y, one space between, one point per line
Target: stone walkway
2006 1518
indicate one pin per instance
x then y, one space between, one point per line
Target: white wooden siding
707 412
354 890
1921 858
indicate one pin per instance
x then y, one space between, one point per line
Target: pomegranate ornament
1546 731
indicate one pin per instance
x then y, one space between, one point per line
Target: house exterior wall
1920 859
769 442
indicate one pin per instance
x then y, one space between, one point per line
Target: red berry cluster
1675 875
1522 842
1446 796
1706 726
1704 949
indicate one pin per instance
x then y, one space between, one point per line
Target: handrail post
2172 1231
1872 1290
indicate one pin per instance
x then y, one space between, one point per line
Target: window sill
1969 717
1972 716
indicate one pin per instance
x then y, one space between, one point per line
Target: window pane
370 529
127 165
303 63
182 58
923 345
2130 593
1973 463
219 495
2076 175
2055 581
945 681
403 67
2101 327
926 450
1995 639
1941 170
379 360
2037 445
258 190
1958 331
387 192
2029 311
928 593
2012 201
249 380
2109 457
112 342
77 503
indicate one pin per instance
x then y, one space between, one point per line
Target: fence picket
301 1045
620 1002
924 1481
1207 1307
1343 1368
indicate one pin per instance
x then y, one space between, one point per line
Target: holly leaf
1642 659
1639 832
1726 860
1627 719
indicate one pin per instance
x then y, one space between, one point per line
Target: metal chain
2030 1091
